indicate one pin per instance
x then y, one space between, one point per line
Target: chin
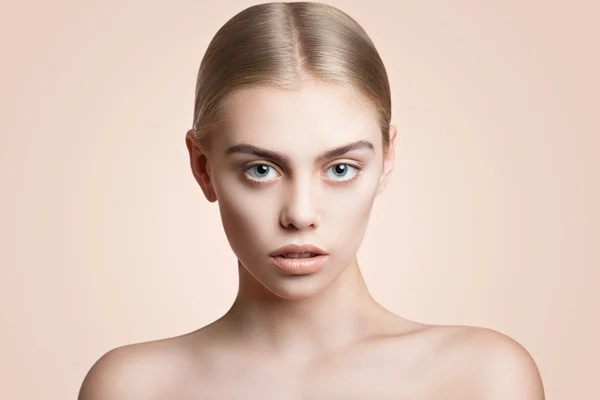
286 286
297 287
294 287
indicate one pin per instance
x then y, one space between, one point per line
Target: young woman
292 137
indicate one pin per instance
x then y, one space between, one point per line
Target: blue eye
342 171
261 171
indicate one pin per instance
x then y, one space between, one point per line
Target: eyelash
341 183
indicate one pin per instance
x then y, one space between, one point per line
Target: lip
295 248
299 266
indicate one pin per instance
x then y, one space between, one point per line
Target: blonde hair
283 44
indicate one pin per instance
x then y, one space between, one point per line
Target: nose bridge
300 203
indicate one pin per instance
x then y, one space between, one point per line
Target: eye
260 172
343 171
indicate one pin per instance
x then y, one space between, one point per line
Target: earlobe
200 167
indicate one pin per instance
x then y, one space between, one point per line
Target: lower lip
299 266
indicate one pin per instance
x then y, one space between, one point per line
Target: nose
299 210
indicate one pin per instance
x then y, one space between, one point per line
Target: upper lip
294 248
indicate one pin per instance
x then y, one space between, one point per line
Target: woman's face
300 195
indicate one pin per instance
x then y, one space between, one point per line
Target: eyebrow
245 148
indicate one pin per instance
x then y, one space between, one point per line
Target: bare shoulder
135 371
495 365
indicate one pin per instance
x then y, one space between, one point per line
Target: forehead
316 116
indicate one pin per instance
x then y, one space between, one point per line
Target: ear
200 167
388 160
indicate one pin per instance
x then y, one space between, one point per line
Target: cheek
353 213
354 201
349 211
240 214
245 218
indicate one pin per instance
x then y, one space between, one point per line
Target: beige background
491 217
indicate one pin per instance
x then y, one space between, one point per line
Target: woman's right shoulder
131 372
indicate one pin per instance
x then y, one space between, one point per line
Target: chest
353 379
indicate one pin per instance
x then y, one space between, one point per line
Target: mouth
297 255
294 259
299 265
294 251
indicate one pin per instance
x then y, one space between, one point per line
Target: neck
341 314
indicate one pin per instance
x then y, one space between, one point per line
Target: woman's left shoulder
498 365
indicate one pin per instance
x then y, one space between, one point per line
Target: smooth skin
316 336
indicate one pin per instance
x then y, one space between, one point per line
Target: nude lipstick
295 259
